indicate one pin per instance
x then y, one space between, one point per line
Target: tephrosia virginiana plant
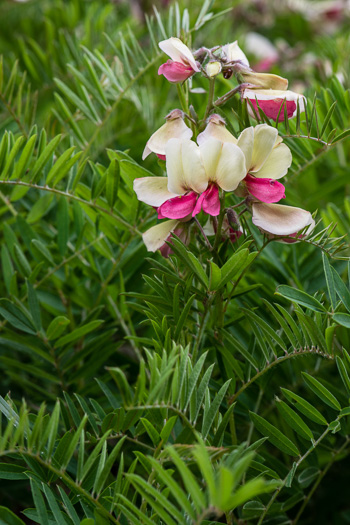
174 323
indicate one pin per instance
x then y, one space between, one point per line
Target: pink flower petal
208 201
161 157
271 107
175 71
266 190
178 207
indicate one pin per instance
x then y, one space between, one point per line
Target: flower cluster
200 172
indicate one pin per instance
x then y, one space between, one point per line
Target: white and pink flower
174 127
273 103
267 158
182 64
195 175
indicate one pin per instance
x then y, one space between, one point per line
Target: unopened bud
212 69
174 114
233 219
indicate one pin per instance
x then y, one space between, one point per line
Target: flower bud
212 69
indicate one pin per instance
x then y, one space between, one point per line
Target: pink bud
266 190
175 71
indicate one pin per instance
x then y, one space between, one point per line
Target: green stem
220 221
210 103
313 350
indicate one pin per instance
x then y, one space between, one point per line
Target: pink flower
271 101
182 64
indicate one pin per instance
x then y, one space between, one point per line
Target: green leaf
307 476
275 436
209 415
15 317
7 517
300 297
25 157
343 373
40 208
342 290
343 319
10 471
44 158
34 307
62 225
232 267
112 183
329 280
294 420
57 327
304 407
78 333
321 391
215 276
151 431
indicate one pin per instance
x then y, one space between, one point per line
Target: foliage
209 387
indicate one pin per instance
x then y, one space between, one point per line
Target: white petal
178 52
233 52
216 131
280 220
246 143
153 190
277 164
156 236
211 150
264 141
231 168
146 152
185 167
172 129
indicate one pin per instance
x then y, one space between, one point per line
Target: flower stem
207 242
220 221
210 103
184 105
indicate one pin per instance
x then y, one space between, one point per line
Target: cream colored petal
233 52
216 131
280 220
146 152
211 150
231 168
246 143
178 52
264 141
155 237
172 129
185 167
153 190
277 164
